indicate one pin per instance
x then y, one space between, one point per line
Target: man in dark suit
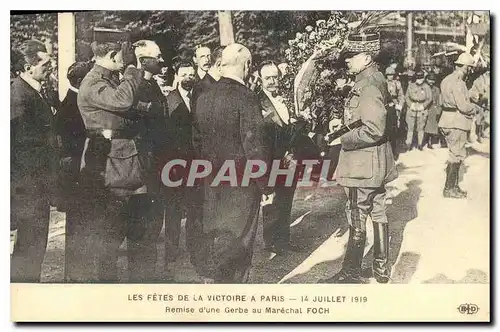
34 159
231 128
276 216
180 201
71 129
213 76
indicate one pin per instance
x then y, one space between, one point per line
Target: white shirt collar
280 107
32 82
237 79
72 88
201 73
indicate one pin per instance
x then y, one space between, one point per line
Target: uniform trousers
416 120
364 202
456 140
132 217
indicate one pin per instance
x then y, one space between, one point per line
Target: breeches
456 140
364 202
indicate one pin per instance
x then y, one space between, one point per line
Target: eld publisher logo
468 309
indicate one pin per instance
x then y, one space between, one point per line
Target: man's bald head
236 60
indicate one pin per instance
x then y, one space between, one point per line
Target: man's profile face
202 58
41 71
270 78
356 63
152 65
186 76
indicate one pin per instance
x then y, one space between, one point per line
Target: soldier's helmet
147 49
465 59
361 42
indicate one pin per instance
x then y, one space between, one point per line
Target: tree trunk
225 28
66 49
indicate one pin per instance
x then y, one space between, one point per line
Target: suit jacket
70 126
206 83
286 137
107 103
34 148
366 159
231 128
179 132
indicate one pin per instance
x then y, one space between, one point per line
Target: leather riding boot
449 190
381 268
351 267
457 175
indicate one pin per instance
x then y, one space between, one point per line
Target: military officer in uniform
114 172
366 161
456 121
418 99
397 102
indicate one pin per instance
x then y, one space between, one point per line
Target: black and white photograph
250 147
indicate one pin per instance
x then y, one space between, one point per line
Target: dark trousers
183 202
31 216
276 216
133 218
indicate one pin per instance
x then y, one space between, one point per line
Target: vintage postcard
250 166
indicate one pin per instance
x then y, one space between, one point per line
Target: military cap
106 35
362 42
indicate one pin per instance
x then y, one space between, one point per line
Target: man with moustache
231 127
276 216
181 201
366 161
115 159
211 78
33 164
456 121
202 60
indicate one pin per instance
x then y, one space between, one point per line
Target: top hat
362 42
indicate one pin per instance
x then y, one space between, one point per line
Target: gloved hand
128 55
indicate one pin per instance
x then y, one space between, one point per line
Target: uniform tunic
366 162
456 119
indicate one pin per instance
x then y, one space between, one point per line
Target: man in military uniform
397 101
456 121
34 157
418 99
480 95
115 165
366 160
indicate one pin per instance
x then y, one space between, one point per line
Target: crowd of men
98 156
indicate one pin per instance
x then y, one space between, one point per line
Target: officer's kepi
361 43
105 35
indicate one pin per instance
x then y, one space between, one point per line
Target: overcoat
231 128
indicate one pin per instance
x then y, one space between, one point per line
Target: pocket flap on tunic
122 148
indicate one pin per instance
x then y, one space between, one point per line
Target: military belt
111 133
448 109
